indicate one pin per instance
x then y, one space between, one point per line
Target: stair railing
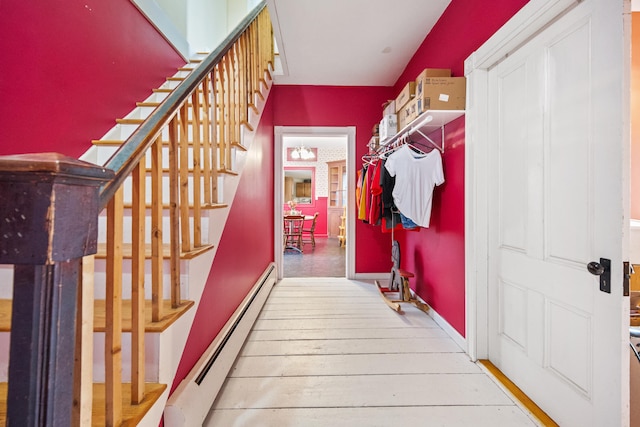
188 141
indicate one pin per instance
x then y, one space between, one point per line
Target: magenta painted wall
341 106
245 250
436 254
70 68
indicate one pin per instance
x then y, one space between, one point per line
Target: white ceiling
349 42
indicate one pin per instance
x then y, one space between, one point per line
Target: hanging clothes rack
421 128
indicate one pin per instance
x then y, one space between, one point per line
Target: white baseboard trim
450 330
191 401
372 276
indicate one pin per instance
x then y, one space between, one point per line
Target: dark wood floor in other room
327 259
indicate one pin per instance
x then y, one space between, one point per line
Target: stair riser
166 236
152 357
106 151
165 189
100 280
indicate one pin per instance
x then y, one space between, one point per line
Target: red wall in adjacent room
245 250
341 106
70 68
320 206
436 254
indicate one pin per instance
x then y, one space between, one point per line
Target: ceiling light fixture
302 153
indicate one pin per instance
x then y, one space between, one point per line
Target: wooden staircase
175 167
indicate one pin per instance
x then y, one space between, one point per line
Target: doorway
307 182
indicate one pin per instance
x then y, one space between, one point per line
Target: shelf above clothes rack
425 124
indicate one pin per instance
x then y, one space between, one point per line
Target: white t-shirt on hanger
416 176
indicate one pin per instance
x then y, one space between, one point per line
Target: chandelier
302 153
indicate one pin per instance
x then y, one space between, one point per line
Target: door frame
532 18
278 178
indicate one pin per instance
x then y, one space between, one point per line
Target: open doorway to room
312 197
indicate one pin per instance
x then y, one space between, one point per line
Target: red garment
376 195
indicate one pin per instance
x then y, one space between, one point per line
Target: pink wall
245 250
70 68
436 254
341 106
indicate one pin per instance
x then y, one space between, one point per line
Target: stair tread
127 250
202 206
130 121
131 414
170 315
120 142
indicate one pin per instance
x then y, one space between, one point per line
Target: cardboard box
408 113
389 107
429 72
388 126
407 93
442 93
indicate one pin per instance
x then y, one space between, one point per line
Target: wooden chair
292 236
308 234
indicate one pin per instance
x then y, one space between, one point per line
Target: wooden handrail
130 153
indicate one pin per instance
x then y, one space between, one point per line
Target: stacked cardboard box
433 89
406 94
389 124
441 93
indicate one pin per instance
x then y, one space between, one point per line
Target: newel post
48 222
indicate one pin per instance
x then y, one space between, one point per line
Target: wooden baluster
222 126
156 231
214 136
206 140
174 213
185 229
243 74
237 92
229 65
263 57
113 308
227 112
270 46
197 171
138 213
250 69
257 61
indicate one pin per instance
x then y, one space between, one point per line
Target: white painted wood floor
329 352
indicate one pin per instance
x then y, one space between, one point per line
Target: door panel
555 158
568 147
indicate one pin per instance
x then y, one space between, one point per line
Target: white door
556 203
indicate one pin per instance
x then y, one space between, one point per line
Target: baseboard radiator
190 403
